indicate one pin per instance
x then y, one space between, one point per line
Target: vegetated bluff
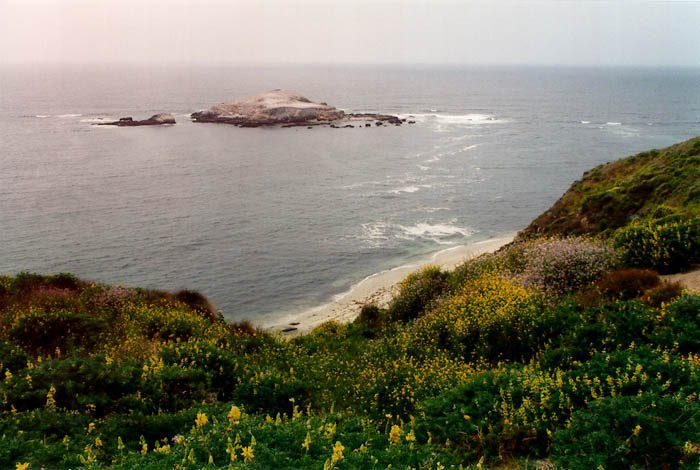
656 185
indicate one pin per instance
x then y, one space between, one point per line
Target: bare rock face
155 120
270 108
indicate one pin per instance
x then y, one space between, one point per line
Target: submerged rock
155 120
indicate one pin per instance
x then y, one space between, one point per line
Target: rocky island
287 109
155 120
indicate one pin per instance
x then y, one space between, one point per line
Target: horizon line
336 64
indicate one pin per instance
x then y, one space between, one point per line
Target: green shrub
668 248
679 326
632 432
471 416
370 321
44 331
608 326
492 319
417 292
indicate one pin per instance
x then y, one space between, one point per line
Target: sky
489 32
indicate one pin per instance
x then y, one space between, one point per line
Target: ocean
269 222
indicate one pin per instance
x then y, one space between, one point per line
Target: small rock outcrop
270 108
155 120
284 108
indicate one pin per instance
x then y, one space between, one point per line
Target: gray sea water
271 221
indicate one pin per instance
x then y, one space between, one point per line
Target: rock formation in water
285 108
155 120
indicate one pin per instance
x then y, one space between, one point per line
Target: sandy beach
380 288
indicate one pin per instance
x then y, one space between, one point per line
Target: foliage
669 247
509 357
657 186
647 431
562 266
416 293
492 318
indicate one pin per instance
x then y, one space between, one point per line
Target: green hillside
657 185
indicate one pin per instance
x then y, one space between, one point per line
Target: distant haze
351 31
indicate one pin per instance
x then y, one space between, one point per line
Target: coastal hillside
565 353
654 186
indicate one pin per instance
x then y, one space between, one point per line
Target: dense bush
370 320
663 294
416 293
492 318
42 331
679 325
561 266
648 431
627 283
668 248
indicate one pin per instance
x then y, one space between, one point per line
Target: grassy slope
656 184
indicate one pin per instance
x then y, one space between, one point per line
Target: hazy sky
351 31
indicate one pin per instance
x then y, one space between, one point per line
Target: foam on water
444 234
457 119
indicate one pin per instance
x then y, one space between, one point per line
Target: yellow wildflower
636 430
337 452
247 453
22 466
201 419
307 441
395 434
235 414
50 400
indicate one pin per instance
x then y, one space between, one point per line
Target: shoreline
379 288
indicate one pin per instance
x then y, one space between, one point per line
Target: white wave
406 189
424 168
409 189
99 119
457 119
459 138
42 116
439 233
613 123
585 122
435 209
375 231
68 115
381 233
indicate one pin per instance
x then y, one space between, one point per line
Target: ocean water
268 222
